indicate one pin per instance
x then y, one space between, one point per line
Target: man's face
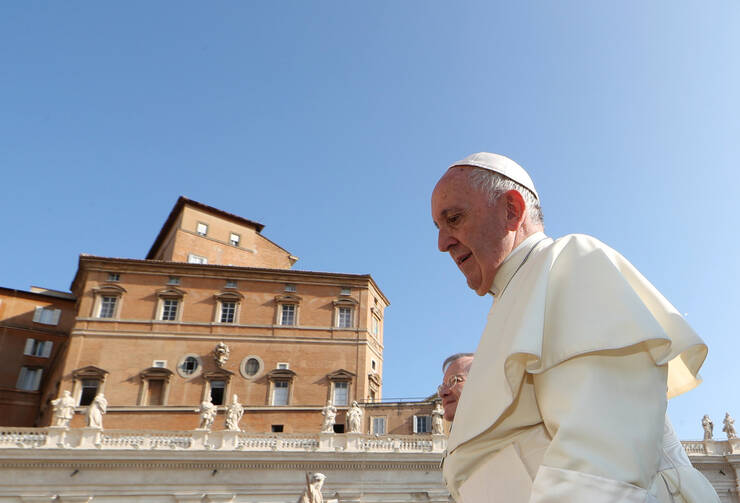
450 396
471 230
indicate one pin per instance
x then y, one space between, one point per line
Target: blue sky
330 122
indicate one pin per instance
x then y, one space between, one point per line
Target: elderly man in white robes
566 397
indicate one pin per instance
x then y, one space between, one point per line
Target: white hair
448 361
493 184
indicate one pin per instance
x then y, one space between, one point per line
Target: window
422 424
155 384
173 280
88 390
372 364
228 312
287 314
277 428
47 315
251 366
218 389
372 396
338 428
196 259
169 309
378 426
108 307
375 325
38 348
280 393
230 283
283 365
341 393
345 291
155 392
344 317
290 288
234 239
339 388
202 229
114 276
29 379
227 307
189 366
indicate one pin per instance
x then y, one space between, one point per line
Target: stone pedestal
200 439
439 442
354 442
327 441
229 439
91 438
56 437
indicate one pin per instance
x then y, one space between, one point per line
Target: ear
515 209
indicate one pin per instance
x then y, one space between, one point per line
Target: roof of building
227 269
49 296
181 202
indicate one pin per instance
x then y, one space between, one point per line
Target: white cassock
567 395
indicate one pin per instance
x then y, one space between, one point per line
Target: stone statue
437 414
708 426
312 493
330 415
729 427
354 418
64 409
221 354
234 414
96 410
207 415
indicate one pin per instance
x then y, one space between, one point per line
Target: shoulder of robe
597 301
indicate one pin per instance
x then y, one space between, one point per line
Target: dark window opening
338 428
217 392
277 428
89 390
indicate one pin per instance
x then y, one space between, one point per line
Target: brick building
214 311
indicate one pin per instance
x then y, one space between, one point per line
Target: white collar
513 262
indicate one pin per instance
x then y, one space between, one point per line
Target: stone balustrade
95 438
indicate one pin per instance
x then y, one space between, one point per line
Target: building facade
214 313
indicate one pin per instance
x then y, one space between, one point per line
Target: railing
93 438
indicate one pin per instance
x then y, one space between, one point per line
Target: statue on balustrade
437 415
221 354
95 411
708 426
64 409
207 415
729 427
312 493
330 415
354 418
234 414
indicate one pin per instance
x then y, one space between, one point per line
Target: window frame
281 376
427 423
231 239
373 429
47 315
89 373
287 300
42 347
170 294
345 303
32 375
227 297
198 370
243 367
197 259
108 291
216 376
147 376
198 227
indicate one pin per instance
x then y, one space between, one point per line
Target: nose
445 240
